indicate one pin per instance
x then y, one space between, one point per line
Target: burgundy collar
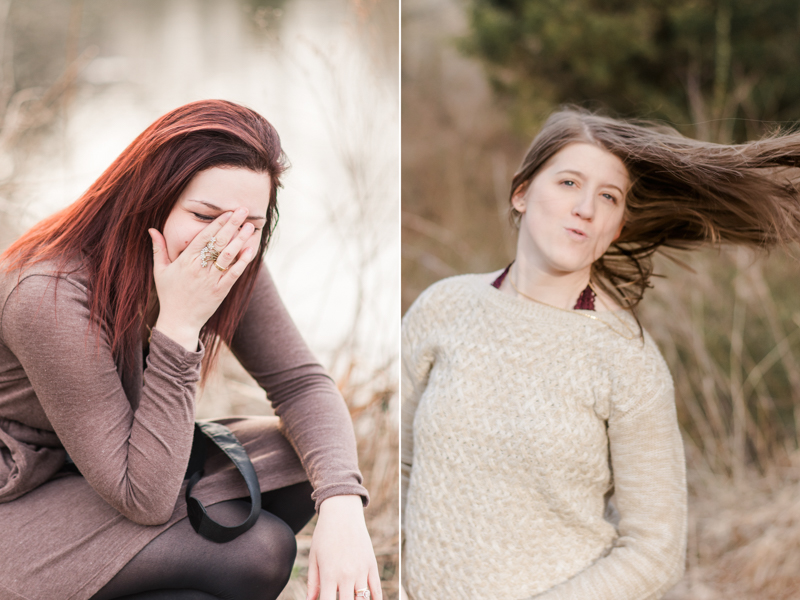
585 300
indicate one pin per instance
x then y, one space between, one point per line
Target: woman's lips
576 234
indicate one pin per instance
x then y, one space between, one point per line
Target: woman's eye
204 217
568 182
610 197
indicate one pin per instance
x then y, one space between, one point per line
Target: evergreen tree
725 65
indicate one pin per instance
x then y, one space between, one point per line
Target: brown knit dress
64 536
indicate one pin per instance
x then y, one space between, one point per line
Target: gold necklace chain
583 314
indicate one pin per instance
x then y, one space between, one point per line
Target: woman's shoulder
32 285
447 293
640 371
627 340
457 285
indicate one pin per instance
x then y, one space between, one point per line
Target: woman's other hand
188 293
341 555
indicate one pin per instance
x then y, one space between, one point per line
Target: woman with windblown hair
541 455
111 311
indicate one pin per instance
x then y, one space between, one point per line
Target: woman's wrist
350 503
188 337
341 556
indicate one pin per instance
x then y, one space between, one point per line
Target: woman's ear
518 197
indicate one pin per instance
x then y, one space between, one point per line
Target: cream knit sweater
515 416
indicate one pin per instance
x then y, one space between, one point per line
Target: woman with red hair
111 311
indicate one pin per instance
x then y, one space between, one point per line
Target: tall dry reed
731 335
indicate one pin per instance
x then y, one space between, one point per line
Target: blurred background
79 79
479 77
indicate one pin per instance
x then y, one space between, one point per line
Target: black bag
223 438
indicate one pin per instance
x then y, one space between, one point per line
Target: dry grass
730 333
744 539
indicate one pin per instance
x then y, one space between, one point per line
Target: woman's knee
255 565
270 548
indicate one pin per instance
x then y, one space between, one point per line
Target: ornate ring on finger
363 593
209 253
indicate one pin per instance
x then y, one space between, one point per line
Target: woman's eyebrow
579 174
217 208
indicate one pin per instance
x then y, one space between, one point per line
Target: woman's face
211 193
572 209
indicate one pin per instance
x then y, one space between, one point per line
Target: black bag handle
224 439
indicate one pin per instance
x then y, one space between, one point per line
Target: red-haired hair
107 226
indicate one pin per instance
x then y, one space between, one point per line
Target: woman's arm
417 360
134 457
316 421
313 414
650 494
417 349
132 451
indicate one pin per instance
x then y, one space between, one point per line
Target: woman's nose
584 208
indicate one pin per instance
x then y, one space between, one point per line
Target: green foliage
707 62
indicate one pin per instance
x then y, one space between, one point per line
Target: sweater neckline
524 308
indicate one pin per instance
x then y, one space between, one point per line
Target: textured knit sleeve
134 459
417 350
313 414
649 491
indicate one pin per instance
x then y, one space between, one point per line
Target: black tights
179 564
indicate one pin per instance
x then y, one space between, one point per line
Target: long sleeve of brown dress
65 535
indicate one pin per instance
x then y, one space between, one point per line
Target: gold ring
363 593
223 269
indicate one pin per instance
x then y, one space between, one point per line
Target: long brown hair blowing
683 192
107 227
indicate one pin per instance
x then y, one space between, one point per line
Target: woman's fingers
231 251
369 581
230 229
361 584
211 230
328 592
313 577
374 580
160 256
235 271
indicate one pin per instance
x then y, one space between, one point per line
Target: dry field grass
744 538
730 333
